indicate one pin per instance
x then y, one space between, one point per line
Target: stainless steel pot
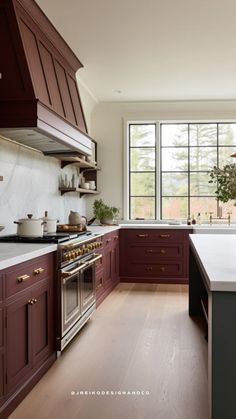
30 227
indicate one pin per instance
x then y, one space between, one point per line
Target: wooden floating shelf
75 159
79 190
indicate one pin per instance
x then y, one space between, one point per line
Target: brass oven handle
38 271
96 257
164 236
76 270
23 278
73 272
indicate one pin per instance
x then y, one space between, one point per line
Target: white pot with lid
30 227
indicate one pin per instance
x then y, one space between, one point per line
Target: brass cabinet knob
163 251
34 300
30 302
163 269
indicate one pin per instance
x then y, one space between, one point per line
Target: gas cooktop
47 238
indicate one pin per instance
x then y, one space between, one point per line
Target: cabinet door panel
18 341
1 328
1 374
108 268
42 330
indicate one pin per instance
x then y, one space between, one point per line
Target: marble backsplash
30 186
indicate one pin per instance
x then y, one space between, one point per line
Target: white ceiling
151 49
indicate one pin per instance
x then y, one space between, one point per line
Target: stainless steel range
76 285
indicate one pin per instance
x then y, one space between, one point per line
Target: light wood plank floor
140 339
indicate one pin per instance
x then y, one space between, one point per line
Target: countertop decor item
104 212
225 180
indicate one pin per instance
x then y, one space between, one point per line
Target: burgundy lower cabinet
107 271
28 320
154 256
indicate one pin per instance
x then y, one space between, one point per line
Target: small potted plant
104 212
225 180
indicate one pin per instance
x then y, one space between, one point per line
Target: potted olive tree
104 212
225 180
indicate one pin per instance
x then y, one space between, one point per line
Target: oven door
70 297
87 276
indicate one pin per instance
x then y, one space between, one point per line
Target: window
142 173
179 185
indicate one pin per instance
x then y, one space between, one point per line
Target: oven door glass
87 287
71 302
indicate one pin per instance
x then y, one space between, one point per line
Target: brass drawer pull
162 251
149 268
34 300
23 278
165 236
163 269
142 235
38 271
116 237
108 240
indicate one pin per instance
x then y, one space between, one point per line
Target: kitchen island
212 292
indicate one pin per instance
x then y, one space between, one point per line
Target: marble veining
30 185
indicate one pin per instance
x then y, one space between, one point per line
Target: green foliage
225 180
103 212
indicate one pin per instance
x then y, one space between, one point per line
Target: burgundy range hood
40 104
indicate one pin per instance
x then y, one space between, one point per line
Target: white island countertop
13 253
216 255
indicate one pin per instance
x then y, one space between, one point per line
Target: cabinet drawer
110 238
22 276
145 253
155 235
159 270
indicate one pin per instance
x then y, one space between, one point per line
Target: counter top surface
216 255
13 253
100 229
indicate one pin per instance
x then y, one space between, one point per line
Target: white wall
88 102
30 185
108 122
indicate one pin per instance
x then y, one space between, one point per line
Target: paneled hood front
40 104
